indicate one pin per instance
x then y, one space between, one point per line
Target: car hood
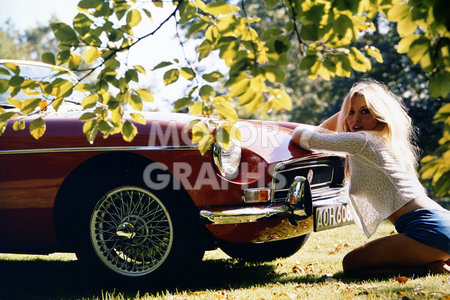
269 140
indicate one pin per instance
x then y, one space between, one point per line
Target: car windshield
40 73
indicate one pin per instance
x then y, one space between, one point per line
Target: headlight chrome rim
228 162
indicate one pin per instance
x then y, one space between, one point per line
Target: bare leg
393 255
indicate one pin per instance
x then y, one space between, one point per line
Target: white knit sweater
379 185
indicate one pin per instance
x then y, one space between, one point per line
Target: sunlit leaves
187 73
91 54
37 128
138 118
133 18
145 95
89 101
202 136
182 103
171 76
217 7
212 77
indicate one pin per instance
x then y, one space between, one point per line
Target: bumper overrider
328 210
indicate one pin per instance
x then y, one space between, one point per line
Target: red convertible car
144 208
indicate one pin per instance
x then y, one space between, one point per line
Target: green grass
315 272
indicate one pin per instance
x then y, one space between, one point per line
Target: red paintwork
29 182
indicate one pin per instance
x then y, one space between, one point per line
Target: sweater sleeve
346 142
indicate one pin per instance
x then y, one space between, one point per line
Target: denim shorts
428 226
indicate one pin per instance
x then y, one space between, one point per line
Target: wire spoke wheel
131 231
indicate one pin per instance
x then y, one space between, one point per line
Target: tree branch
297 33
115 51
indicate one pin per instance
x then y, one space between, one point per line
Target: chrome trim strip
97 149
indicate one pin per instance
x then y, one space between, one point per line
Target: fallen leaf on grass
296 269
402 293
445 297
401 279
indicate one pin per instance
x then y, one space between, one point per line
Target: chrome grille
328 176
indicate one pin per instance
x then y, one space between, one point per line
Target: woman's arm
330 123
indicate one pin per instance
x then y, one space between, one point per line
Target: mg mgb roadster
147 207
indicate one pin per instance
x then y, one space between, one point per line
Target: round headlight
228 161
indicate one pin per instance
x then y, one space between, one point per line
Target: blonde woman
376 133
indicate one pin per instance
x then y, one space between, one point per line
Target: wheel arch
97 168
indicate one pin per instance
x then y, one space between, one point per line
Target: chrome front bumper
250 214
297 207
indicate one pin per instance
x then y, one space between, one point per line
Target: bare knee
350 264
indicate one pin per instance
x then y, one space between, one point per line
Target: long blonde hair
387 108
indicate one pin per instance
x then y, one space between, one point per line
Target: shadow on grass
46 279
52 279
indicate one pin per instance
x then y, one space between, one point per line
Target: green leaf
87 116
37 128
89 101
135 102
274 73
129 131
17 103
207 92
195 27
120 8
213 76
145 95
4 71
82 24
171 76
359 61
271 3
90 4
418 49
182 103
439 85
49 58
91 54
74 61
64 33
138 118
29 105
271 33
133 18
239 87
162 65
219 8
375 53
19 125
140 69
16 81
187 73
225 108
62 57
223 137
309 32
6 116
399 12
196 108
4 84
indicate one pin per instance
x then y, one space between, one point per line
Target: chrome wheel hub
131 231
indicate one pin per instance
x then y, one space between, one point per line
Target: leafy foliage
325 33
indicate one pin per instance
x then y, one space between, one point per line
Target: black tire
261 252
129 231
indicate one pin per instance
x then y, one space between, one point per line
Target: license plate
331 216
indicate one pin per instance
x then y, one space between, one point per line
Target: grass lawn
314 272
